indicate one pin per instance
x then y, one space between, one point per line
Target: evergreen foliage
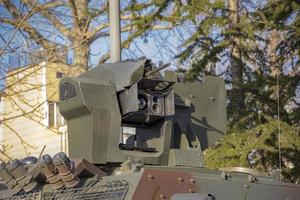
255 47
235 150
267 39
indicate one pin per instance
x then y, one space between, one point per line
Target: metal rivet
246 186
180 180
224 175
150 177
251 179
192 180
191 190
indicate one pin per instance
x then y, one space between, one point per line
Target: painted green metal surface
100 102
171 122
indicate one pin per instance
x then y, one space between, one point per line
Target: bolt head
192 180
191 190
180 180
246 186
150 177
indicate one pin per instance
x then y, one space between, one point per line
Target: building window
55 118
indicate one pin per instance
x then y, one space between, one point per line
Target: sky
158 46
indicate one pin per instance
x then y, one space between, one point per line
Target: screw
191 190
225 175
192 180
251 179
246 186
180 180
150 177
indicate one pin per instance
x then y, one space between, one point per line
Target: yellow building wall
25 112
53 81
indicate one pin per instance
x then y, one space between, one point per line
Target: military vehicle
135 134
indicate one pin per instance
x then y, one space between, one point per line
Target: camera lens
155 99
156 108
142 104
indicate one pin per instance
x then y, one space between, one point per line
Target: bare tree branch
98 34
23 142
25 26
96 13
72 6
44 10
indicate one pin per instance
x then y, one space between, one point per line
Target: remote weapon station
135 134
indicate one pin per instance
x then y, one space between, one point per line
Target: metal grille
32 196
114 192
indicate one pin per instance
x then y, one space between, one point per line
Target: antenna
279 127
114 30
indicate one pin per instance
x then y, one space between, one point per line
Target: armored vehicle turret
136 134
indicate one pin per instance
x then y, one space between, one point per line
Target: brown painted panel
158 184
